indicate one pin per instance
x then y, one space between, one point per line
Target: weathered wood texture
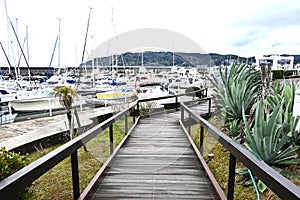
156 162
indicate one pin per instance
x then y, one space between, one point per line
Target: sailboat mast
84 46
18 76
86 33
27 43
8 38
7 59
48 71
58 64
142 59
21 50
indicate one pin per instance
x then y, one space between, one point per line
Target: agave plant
269 138
238 88
285 91
280 91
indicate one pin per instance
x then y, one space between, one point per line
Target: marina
36 113
102 89
152 100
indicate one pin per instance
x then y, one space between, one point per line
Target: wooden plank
156 161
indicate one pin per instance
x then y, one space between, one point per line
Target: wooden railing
280 185
24 177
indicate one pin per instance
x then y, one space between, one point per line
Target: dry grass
56 184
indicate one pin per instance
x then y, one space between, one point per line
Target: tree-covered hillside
150 58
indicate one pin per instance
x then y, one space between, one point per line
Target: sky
245 28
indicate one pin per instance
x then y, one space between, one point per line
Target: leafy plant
66 96
285 91
280 91
237 88
234 128
269 139
192 89
296 136
147 108
11 162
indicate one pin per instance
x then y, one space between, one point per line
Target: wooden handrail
25 176
280 185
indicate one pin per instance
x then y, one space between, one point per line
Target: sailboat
42 99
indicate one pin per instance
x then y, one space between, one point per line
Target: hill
151 58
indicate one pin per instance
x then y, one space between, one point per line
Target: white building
275 61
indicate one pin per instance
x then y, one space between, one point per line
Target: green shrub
146 108
11 162
281 74
192 89
277 74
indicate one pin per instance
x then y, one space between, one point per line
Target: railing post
209 106
231 177
176 102
75 175
201 139
111 139
133 115
189 124
9 110
138 108
182 113
50 109
126 123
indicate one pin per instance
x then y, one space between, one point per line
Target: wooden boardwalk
156 162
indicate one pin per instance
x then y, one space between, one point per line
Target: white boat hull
38 104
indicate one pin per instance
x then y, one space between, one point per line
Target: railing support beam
209 106
75 175
111 139
126 123
231 177
189 125
201 138
182 113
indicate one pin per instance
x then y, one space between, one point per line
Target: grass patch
57 182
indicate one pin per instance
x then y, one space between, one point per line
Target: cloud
271 28
248 38
280 14
230 26
147 39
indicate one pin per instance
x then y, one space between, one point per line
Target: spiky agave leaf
286 173
238 86
268 138
281 91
